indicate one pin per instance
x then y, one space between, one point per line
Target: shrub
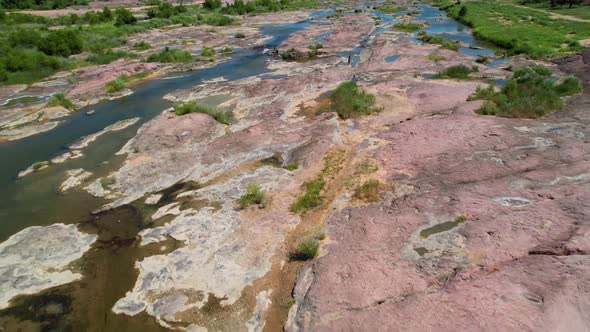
459 71
141 46
226 50
311 198
212 4
171 56
61 42
240 35
308 248
124 17
569 86
208 51
253 195
118 84
350 101
368 191
530 93
60 100
435 58
194 107
389 8
106 57
292 166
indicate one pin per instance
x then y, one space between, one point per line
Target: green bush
118 84
60 100
311 198
208 51
141 46
194 107
254 195
292 166
106 57
308 248
240 35
212 4
171 56
226 50
459 71
389 8
350 101
530 93
124 17
62 42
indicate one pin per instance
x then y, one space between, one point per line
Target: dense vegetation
518 29
408 27
171 56
40 4
194 107
349 101
530 93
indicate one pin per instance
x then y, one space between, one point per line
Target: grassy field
519 30
579 11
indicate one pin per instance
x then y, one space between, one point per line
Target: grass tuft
311 198
308 248
254 195
194 107
171 56
60 100
459 72
368 191
349 101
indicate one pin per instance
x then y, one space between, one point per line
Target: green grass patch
311 198
208 52
530 93
407 27
107 181
431 39
141 46
254 195
435 58
350 101
292 166
194 107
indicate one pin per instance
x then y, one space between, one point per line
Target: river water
108 268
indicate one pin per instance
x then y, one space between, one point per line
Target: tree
124 17
462 11
62 42
212 4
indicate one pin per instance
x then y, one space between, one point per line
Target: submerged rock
37 258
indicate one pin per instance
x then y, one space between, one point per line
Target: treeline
555 3
40 4
239 7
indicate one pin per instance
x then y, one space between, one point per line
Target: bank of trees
555 3
40 4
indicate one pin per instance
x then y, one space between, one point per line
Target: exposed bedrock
487 226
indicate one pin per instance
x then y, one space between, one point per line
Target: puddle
391 58
442 227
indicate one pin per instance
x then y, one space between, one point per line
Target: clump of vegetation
368 191
60 99
407 27
459 71
118 84
460 219
436 58
107 181
239 7
311 198
389 8
350 101
142 46
208 52
124 17
254 195
292 166
226 50
482 59
308 248
240 35
530 93
171 56
37 166
194 107
109 56
430 39
165 10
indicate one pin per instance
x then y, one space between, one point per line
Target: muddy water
108 268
